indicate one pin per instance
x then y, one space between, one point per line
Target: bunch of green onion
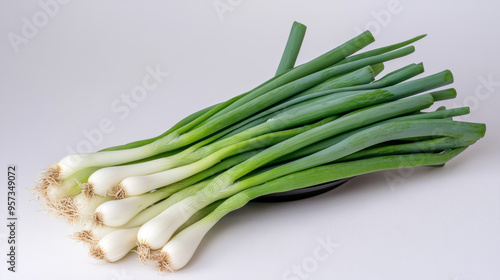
324 120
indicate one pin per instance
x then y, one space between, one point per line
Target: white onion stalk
116 213
75 209
180 249
148 214
73 163
92 235
156 209
104 180
115 245
155 233
46 178
99 232
86 207
138 185
59 190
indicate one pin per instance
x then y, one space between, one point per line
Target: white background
439 224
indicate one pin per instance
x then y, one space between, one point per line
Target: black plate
301 193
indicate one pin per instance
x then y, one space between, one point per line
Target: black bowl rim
303 193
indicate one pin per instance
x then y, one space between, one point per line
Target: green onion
330 118
156 232
292 48
115 245
322 107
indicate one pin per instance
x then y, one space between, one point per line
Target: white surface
439 224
